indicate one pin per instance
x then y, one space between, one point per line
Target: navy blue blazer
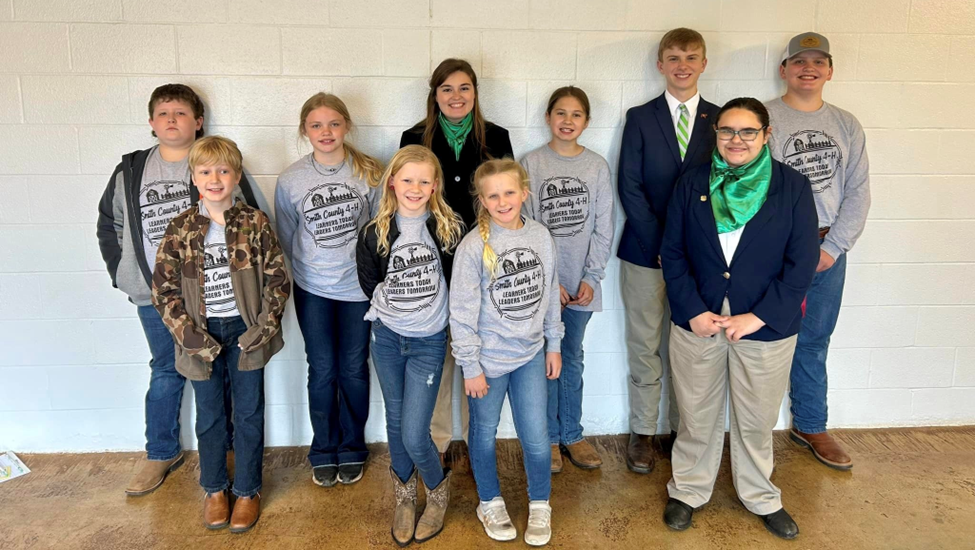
772 268
649 167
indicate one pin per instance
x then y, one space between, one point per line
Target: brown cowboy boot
216 510
404 516
556 459
247 510
639 453
826 449
583 455
151 475
431 522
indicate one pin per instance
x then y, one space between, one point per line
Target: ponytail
488 257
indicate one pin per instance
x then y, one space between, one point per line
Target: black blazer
650 165
372 266
773 265
458 174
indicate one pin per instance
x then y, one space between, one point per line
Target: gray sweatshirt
412 300
573 198
499 325
319 211
829 147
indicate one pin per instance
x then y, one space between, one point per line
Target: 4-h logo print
517 291
217 288
413 278
331 213
564 205
160 202
814 154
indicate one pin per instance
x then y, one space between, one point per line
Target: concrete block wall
75 78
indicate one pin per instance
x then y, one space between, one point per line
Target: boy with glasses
826 144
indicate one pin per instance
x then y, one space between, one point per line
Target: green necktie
683 136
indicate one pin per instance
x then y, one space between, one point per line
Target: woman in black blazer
739 252
455 130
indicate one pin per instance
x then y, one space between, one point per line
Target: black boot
781 524
677 515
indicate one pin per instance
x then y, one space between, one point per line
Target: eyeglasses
746 134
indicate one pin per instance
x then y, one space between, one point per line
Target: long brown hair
492 168
363 166
449 226
443 71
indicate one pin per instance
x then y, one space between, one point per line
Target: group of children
452 245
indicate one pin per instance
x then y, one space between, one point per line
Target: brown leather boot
216 510
639 453
826 449
247 510
151 475
556 459
583 455
431 522
404 516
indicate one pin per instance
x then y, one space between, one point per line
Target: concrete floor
911 489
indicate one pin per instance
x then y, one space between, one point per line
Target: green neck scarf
737 194
456 134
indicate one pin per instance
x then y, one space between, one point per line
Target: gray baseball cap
807 41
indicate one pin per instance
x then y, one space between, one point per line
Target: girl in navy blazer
739 252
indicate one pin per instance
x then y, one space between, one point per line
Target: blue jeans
409 371
166 390
808 377
526 388
337 347
247 390
565 392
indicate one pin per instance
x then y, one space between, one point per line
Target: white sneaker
539 530
494 517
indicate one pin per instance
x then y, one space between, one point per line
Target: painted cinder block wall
75 78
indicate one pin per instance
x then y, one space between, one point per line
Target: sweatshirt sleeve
110 225
601 240
167 297
285 219
552 327
276 291
852 217
465 308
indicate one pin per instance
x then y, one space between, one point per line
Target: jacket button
704 198
456 178
726 275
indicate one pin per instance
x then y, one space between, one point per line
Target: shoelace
497 516
539 517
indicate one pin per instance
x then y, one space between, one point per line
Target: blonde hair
487 169
449 226
681 38
216 150
363 166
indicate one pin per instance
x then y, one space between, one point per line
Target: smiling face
502 196
326 130
413 186
806 72
455 96
737 152
216 183
567 119
174 124
682 69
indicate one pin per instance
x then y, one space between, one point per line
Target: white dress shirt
729 243
674 105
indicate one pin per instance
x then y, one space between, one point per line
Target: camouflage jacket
258 274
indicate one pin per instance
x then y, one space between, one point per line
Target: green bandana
737 194
456 134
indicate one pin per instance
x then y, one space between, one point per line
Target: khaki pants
645 300
757 374
442 424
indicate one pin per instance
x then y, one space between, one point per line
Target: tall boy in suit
662 140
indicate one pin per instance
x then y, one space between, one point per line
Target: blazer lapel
704 215
701 127
755 225
666 122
